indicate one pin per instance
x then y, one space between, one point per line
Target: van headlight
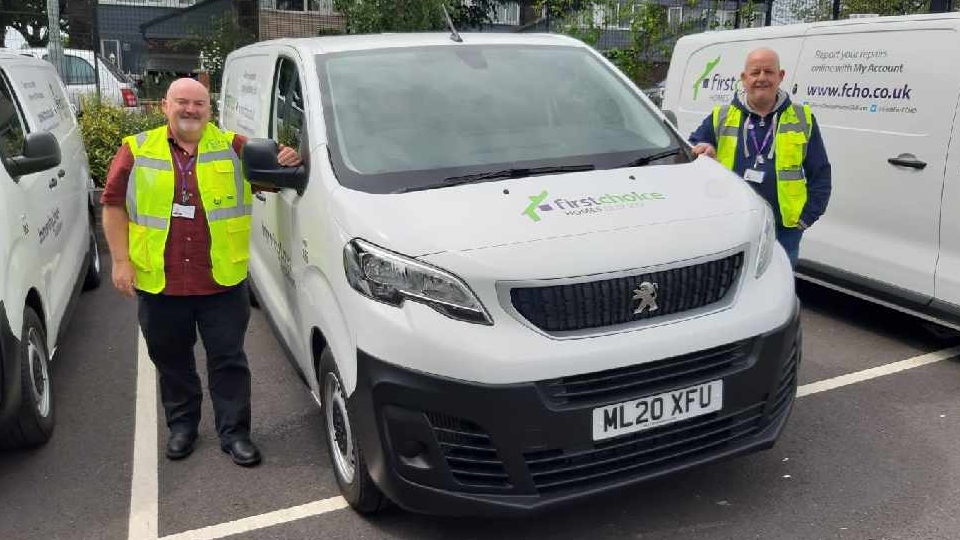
392 278
768 240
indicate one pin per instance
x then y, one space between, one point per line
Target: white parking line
262 521
880 371
143 488
143 515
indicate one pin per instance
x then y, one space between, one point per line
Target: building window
675 15
725 18
314 6
506 13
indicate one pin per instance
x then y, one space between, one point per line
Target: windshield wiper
514 173
518 172
646 160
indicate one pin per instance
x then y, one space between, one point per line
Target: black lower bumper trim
440 446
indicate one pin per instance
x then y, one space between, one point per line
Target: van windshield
409 118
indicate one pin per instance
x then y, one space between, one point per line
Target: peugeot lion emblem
646 293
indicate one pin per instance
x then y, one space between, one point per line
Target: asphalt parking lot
870 452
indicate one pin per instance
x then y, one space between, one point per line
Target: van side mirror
671 116
261 168
41 151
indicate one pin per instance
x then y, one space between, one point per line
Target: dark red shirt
187 265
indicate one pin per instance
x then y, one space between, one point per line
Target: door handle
61 173
260 196
907 160
53 183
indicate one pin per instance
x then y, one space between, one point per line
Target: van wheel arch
33 424
343 444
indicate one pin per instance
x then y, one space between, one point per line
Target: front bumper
10 394
442 446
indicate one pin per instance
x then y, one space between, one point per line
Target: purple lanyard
184 196
761 148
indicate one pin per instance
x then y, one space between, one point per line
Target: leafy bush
104 126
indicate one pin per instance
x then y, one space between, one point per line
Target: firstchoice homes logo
717 83
587 205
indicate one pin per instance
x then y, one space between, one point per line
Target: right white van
885 92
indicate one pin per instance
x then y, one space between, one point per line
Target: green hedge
104 126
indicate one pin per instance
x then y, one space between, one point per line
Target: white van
81 78
501 271
48 248
888 112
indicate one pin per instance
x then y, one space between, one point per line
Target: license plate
657 410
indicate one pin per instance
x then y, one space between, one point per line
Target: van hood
483 215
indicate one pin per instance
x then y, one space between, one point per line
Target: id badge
182 211
753 175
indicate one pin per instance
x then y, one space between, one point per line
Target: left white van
48 245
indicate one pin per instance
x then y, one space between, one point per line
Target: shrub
104 126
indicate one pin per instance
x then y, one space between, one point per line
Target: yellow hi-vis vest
789 147
226 196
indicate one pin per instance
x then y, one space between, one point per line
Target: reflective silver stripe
132 192
141 138
228 213
152 163
149 221
727 131
798 128
722 120
798 109
223 155
794 174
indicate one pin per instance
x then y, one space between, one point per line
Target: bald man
177 214
773 144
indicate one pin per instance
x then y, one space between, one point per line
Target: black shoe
180 444
243 452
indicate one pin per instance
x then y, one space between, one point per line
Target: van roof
17 54
799 29
360 42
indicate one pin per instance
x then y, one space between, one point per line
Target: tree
372 16
821 10
29 18
651 35
215 40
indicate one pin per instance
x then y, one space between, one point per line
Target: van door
30 215
273 209
948 266
47 108
886 113
286 127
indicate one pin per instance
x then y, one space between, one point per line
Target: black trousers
170 325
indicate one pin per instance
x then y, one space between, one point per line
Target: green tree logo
701 81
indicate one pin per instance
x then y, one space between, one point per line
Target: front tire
33 424
346 452
92 279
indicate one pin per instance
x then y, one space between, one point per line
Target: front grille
644 452
633 381
470 454
610 302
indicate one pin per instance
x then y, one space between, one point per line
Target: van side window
11 124
77 71
287 123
